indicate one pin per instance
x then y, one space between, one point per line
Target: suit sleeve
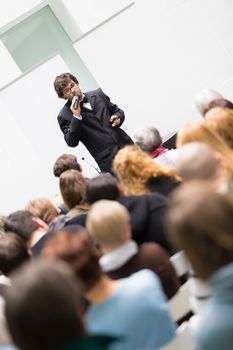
114 109
71 130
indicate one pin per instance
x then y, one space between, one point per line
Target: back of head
204 97
42 306
199 221
104 186
221 121
148 139
20 222
61 81
201 132
66 162
196 160
44 209
79 252
134 168
220 103
108 223
13 252
73 188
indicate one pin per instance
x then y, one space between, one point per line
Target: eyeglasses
69 88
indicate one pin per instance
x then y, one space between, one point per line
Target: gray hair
148 138
204 97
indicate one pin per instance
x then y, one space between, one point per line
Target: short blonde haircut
107 221
221 120
134 168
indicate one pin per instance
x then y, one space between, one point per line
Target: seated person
139 174
150 141
146 211
43 309
73 187
133 309
108 222
64 162
200 223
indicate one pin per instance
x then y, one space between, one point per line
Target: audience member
104 186
197 161
73 191
139 174
201 132
118 307
150 141
146 211
43 309
13 253
63 163
221 120
108 222
200 223
204 97
23 223
44 209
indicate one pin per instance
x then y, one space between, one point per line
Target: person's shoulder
151 250
145 277
65 111
94 92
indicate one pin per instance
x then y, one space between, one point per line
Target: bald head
196 161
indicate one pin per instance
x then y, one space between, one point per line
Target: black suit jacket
94 130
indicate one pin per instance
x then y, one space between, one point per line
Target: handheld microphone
96 169
76 102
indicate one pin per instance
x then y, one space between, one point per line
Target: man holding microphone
90 118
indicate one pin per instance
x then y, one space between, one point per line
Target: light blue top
215 331
8 347
137 311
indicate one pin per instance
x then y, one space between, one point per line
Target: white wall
31 139
165 51
151 59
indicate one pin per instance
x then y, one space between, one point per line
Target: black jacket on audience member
147 218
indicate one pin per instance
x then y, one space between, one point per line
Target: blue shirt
215 330
137 312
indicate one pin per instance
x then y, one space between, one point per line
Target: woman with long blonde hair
140 174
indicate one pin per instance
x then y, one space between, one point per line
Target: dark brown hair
78 250
61 81
66 162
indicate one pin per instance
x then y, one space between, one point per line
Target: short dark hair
66 162
20 222
42 306
61 82
13 252
104 186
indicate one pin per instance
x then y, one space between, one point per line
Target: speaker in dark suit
95 122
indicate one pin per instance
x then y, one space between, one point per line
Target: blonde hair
43 208
134 168
203 133
221 120
107 221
